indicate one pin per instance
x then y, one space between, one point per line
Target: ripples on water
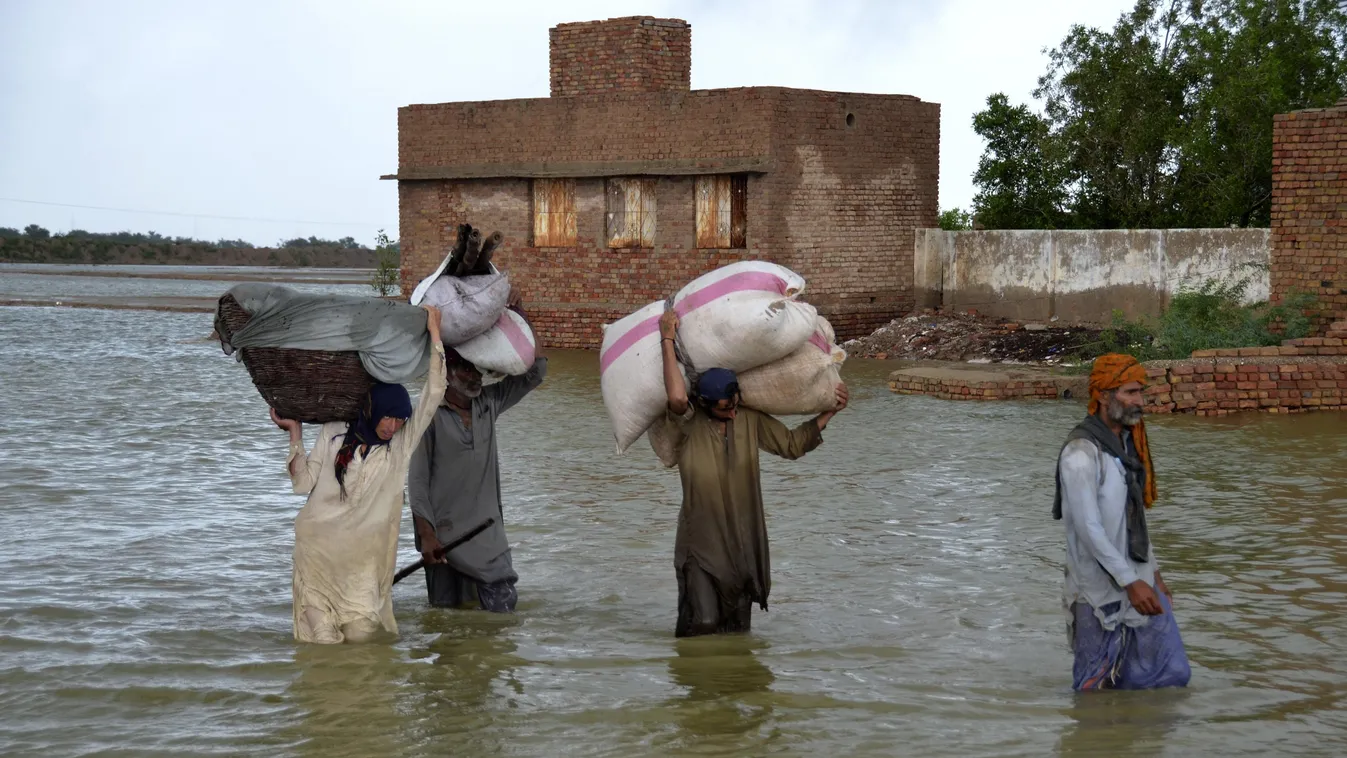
145 536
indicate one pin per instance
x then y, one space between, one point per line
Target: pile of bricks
1252 379
950 388
1299 375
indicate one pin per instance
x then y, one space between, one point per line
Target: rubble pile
969 337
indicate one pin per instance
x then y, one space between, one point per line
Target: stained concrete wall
1081 275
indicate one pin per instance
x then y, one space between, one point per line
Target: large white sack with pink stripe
742 316
631 373
737 317
507 348
803 383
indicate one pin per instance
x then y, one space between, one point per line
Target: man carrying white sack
720 553
454 484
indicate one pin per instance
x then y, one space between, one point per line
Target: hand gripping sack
742 316
803 383
631 374
507 348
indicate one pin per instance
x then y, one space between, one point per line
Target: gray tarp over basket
389 335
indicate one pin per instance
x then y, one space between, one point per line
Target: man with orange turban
1119 620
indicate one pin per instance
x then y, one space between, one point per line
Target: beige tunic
346 548
721 525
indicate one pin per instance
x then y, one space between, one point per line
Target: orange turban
1109 373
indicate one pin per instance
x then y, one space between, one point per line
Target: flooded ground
145 536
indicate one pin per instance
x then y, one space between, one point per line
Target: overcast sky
284 113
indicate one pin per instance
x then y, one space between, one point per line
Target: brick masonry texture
836 199
1299 375
1309 208
961 389
636 54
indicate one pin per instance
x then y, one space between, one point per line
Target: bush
385 276
1209 316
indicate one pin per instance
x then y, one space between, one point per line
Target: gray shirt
1094 511
454 480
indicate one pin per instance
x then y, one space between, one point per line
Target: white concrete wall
1081 275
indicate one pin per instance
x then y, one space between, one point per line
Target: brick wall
1229 384
634 54
601 130
955 388
1300 375
854 177
1309 208
571 292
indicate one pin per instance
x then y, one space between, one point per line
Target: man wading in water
1122 630
454 485
720 553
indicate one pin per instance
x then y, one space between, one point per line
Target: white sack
631 374
507 348
742 316
801 384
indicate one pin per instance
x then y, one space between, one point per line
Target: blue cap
717 384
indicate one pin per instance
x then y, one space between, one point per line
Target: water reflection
916 570
1121 723
728 691
348 698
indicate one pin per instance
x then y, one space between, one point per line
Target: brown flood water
145 535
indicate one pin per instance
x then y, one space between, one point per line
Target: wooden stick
412 569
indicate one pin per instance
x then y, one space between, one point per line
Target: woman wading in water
346 534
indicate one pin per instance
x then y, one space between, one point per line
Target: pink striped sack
742 316
737 317
631 374
506 348
803 383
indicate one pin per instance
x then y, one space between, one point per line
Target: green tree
1165 120
36 232
1274 56
955 220
1019 177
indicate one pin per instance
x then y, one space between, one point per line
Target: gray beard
458 387
1122 414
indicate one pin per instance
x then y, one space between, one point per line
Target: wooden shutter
554 216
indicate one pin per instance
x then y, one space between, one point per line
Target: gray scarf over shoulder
1096 431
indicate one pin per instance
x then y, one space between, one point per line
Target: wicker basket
312 386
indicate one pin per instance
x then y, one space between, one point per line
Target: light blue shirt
1094 510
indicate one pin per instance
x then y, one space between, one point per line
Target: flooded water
52 285
145 537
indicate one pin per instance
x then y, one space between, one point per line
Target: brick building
1309 208
624 184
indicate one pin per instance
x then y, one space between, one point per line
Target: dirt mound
967 336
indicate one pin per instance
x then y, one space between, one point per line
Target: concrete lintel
587 169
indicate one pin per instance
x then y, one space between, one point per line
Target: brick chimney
633 54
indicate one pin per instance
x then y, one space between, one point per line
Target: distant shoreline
279 277
92 252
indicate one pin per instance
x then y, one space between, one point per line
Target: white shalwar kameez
346 547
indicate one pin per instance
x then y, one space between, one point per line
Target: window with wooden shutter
631 212
554 217
721 211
